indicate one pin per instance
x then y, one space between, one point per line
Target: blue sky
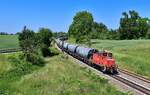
57 14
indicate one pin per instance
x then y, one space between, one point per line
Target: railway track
145 89
135 81
134 85
135 75
11 50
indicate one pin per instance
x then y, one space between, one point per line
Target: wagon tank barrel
85 52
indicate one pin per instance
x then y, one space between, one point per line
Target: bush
35 59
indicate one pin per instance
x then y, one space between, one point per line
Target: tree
148 34
45 39
29 46
113 35
128 25
3 33
26 41
99 30
45 36
132 26
61 35
143 24
81 26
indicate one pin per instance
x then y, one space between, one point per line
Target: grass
14 69
133 55
9 41
60 76
4 64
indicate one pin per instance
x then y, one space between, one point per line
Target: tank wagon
91 56
65 46
59 43
85 52
72 48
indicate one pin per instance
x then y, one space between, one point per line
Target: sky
58 14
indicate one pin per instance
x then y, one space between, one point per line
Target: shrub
35 59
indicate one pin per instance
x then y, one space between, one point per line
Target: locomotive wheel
104 69
115 71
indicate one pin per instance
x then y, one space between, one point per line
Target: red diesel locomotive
105 60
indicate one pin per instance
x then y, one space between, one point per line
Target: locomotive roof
105 51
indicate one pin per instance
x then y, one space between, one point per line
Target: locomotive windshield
104 54
110 55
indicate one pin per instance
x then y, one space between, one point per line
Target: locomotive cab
108 55
105 60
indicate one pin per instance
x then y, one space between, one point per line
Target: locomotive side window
110 55
104 54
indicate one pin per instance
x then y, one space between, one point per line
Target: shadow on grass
53 54
49 52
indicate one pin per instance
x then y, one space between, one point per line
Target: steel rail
140 77
132 84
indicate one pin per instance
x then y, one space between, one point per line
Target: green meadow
9 41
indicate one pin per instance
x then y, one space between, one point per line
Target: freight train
90 56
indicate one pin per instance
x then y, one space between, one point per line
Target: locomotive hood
110 62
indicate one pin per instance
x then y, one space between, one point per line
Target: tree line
132 26
5 33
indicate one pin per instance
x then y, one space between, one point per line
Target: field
60 76
9 41
133 55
